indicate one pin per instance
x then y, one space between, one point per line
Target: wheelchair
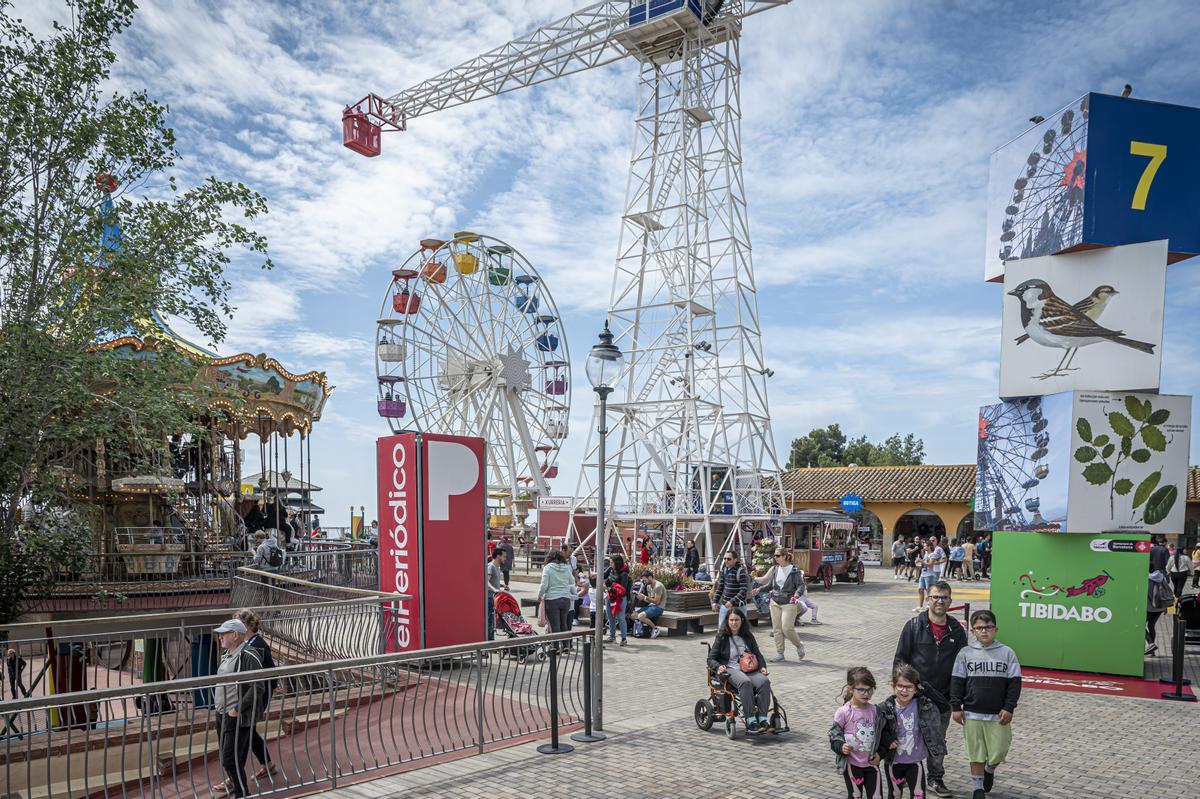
723 703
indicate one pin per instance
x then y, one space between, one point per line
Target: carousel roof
275 480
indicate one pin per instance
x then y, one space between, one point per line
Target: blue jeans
613 618
723 611
491 618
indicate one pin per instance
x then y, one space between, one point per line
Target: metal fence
323 723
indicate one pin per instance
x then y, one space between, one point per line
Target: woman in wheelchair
735 656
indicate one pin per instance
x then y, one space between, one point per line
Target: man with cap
236 704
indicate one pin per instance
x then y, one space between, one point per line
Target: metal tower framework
690 448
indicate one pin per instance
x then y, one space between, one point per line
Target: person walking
898 548
14 667
862 736
957 553
510 557
236 705
258 747
912 558
493 582
731 588
783 583
616 580
928 575
691 558
930 642
735 655
969 560
1179 568
1196 566
985 556
1159 596
557 591
918 733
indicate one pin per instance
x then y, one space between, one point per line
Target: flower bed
688 601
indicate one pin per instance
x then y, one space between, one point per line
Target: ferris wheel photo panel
1021 476
1086 320
1101 171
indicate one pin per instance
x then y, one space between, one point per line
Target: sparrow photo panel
1084 321
1129 462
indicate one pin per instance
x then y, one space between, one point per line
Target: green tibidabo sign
1072 601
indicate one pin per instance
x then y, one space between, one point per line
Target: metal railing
144 580
323 724
81 655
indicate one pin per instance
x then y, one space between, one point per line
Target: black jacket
929 718
933 661
885 736
268 662
691 559
718 654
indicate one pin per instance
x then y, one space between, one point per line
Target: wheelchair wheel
731 728
704 715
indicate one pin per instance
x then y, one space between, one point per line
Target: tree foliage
829 446
62 292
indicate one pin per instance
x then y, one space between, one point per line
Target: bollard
587 736
1177 665
554 747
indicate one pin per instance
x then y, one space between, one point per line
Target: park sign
851 503
1103 171
1073 602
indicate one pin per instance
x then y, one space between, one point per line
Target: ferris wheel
1045 211
470 342
1013 444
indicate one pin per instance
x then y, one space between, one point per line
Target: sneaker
978 794
800 651
752 725
1150 650
989 779
655 632
624 642
779 658
612 640
938 788
814 621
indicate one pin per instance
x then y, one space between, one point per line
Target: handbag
748 662
542 622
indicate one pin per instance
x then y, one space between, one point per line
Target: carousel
173 512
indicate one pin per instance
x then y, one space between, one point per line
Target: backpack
640 630
274 557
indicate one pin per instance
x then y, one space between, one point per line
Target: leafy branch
1104 455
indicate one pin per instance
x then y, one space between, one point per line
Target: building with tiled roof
904 500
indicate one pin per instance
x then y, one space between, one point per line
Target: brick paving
1066 745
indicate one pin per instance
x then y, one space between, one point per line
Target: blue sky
867 131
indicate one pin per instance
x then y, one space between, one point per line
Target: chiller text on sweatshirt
985 681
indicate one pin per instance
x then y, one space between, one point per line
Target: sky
867 132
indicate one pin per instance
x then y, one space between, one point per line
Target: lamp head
605 362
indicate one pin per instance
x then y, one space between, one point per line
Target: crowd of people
928 560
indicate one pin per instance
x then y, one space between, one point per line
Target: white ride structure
469 342
689 449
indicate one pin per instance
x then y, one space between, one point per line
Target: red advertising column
432 505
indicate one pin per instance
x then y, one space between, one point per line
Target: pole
601 551
554 747
587 736
1177 664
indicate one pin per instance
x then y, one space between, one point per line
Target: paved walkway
1066 745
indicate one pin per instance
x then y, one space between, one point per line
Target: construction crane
690 449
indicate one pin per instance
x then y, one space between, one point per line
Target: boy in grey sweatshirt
984 688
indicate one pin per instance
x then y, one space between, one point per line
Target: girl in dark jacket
691 559
257 745
918 733
616 580
753 687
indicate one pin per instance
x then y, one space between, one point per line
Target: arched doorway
919 522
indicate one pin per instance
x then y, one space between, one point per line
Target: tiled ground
1067 746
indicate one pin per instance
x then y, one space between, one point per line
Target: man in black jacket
929 643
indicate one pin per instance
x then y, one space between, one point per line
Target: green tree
61 292
821 447
829 447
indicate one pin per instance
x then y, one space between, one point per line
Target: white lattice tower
683 305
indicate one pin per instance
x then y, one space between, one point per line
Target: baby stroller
723 702
509 619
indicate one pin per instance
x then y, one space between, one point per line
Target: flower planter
687 601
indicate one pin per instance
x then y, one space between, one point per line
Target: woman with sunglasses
731 588
784 584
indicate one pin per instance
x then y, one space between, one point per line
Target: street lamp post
604 365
